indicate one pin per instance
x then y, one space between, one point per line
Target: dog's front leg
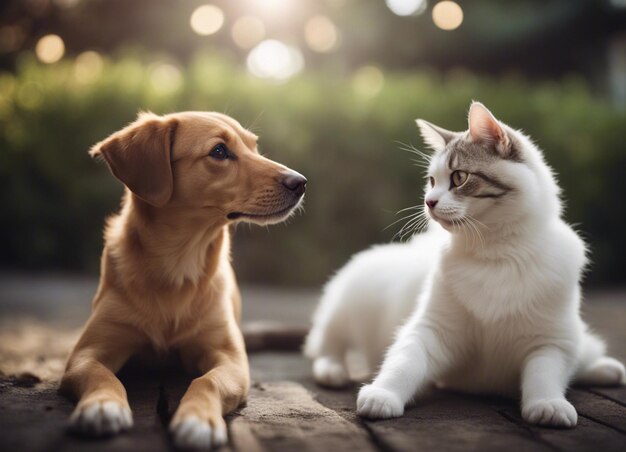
198 423
102 407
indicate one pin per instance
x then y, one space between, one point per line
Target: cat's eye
220 152
458 178
432 181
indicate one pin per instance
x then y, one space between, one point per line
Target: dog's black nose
295 182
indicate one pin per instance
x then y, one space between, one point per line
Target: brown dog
166 279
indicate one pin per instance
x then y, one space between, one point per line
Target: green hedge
54 198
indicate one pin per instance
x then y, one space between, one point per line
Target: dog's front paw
378 403
101 418
190 432
550 413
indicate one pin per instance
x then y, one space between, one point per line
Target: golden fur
166 278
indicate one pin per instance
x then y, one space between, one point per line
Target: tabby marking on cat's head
489 174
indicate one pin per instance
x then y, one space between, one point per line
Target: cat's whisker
402 232
425 159
420 164
409 228
475 220
419 206
476 231
420 226
464 221
404 227
412 149
401 219
473 223
458 224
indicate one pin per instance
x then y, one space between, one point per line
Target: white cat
488 305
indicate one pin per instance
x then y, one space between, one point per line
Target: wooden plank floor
286 411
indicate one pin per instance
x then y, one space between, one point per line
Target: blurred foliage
54 198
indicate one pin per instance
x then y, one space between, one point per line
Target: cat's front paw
550 413
378 403
101 418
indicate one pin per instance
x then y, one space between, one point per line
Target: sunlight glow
276 6
88 66
274 60
320 34
166 78
406 7
248 31
206 19
50 49
447 15
368 81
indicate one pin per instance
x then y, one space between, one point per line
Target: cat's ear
485 128
434 136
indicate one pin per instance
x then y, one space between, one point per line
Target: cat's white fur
491 307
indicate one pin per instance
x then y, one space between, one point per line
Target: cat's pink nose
431 203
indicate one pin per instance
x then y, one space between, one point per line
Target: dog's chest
170 321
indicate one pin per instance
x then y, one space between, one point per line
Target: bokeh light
274 60
368 81
406 7
248 31
447 15
29 95
50 49
321 34
166 78
206 19
88 66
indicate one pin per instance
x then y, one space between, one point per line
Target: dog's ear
140 156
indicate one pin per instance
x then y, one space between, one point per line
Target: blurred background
332 87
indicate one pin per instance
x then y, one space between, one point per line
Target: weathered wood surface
286 411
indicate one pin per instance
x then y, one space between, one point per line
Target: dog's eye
432 181
458 178
220 152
